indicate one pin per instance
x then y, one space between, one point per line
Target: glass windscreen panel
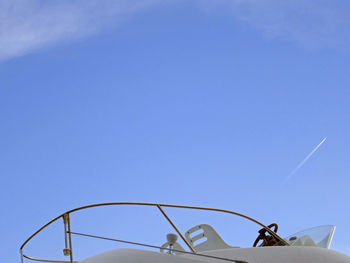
320 236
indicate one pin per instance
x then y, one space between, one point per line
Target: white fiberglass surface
320 236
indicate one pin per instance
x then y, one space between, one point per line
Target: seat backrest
207 237
307 241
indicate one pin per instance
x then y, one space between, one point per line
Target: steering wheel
268 240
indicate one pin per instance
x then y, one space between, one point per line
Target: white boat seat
307 241
208 238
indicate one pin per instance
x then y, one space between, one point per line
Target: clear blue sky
178 102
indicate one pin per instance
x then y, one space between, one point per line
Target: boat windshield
320 236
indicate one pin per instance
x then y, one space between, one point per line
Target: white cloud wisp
28 25
310 23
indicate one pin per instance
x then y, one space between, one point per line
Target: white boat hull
251 255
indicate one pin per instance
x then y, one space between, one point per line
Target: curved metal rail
68 251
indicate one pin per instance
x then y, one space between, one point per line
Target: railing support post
67 251
22 259
177 230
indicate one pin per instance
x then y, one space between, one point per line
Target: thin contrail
306 159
